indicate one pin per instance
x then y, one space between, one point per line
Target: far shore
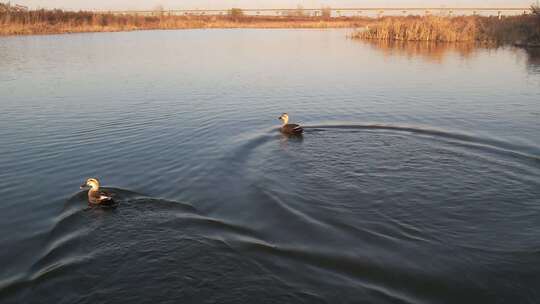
37 22
523 30
47 29
177 24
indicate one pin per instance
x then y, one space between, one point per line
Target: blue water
417 179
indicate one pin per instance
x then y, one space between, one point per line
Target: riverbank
58 22
171 24
519 30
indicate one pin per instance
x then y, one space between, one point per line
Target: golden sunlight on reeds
520 30
523 29
432 52
20 22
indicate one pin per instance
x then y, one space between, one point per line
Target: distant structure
343 12
20 8
7 7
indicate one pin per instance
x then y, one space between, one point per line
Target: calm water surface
417 180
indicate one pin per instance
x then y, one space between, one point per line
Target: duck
95 195
287 128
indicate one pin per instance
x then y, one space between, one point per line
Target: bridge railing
338 12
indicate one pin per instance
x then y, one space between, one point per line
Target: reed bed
59 21
517 29
521 30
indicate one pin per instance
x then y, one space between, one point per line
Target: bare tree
299 12
236 13
159 10
326 12
535 8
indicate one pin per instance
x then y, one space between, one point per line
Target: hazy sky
221 4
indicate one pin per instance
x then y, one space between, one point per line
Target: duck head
284 118
91 183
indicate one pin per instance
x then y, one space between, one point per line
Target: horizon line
267 8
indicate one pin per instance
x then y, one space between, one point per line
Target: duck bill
83 186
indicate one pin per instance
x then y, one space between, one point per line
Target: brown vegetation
523 29
432 52
236 13
21 22
326 12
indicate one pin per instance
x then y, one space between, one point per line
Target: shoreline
522 30
110 23
68 32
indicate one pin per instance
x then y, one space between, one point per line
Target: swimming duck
287 128
96 196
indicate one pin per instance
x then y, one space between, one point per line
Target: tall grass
455 29
17 22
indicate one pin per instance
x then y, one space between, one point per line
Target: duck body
289 129
292 129
96 196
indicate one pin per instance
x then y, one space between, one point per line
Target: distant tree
4 7
299 12
159 10
534 30
236 13
326 12
535 8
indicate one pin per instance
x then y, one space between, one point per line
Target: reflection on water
533 60
286 140
431 51
416 181
436 52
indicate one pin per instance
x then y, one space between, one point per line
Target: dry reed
13 22
525 29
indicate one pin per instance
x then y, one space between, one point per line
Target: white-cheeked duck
287 128
95 195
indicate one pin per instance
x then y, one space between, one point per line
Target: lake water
417 179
